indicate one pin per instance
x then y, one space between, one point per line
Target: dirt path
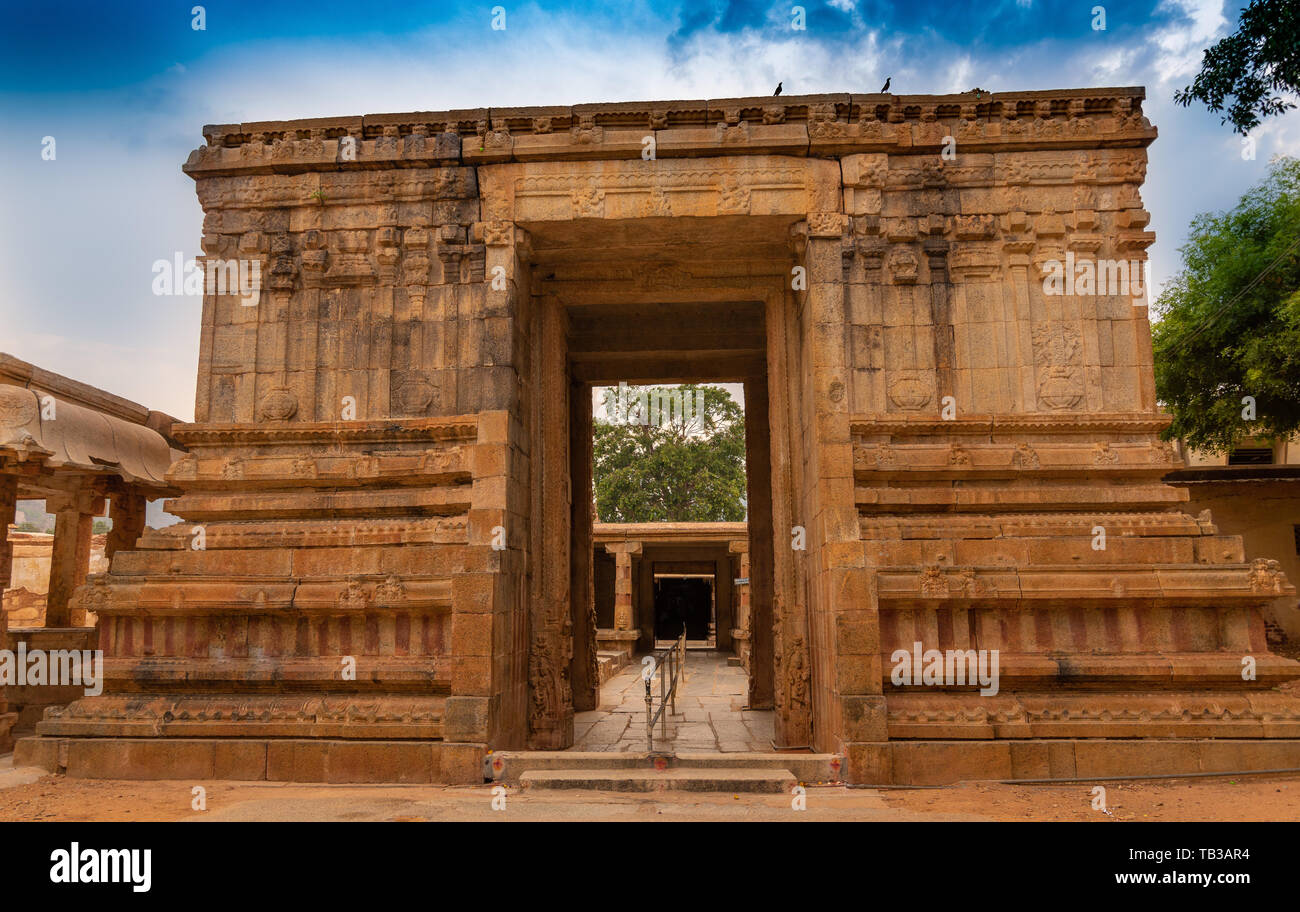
61 798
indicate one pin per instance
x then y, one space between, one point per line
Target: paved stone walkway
711 713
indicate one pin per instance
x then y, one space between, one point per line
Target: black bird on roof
885 88
778 89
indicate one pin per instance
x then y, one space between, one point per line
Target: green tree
684 466
1229 321
1254 66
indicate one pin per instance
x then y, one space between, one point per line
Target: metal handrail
674 657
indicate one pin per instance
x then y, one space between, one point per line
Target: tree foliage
1229 321
1251 70
670 470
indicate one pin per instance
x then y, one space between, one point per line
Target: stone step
610 663
509 766
682 779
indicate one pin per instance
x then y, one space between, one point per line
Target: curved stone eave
64 436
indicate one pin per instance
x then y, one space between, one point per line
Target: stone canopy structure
392 445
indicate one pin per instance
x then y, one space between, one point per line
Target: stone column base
276 760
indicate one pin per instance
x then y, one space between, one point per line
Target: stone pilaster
128 514
74 521
845 686
8 507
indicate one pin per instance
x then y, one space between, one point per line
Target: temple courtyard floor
30 794
711 714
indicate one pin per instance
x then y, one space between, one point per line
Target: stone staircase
640 771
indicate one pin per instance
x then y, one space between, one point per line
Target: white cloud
1180 46
78 236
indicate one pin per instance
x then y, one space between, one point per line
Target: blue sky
125 89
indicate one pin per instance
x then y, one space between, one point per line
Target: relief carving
903 266
1266 576
933 583
279 404
1025 457
412 395
1102 454
353 597
657 204
1060 380
911 390
588 203
734 198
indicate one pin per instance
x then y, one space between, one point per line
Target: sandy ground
28 795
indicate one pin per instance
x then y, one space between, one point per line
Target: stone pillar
758 477
551 612
74 522
644 603
722 601
842 678
8 506
624 616
127 512
740 632
742 590
584 669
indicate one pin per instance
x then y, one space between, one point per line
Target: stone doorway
686 601
597 329
673 581
649 273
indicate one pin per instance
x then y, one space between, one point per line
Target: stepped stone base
277 760
512 766
946 762
765 781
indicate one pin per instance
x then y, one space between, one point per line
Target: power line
1208 322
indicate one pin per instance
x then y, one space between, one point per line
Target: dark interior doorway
684 601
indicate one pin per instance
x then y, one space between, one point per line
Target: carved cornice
1066 118
864 425
459 427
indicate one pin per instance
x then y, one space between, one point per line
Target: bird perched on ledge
778 89
885 88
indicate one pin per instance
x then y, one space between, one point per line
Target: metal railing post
649 718
672 694
683 655
663 702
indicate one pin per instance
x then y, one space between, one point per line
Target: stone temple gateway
392 446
